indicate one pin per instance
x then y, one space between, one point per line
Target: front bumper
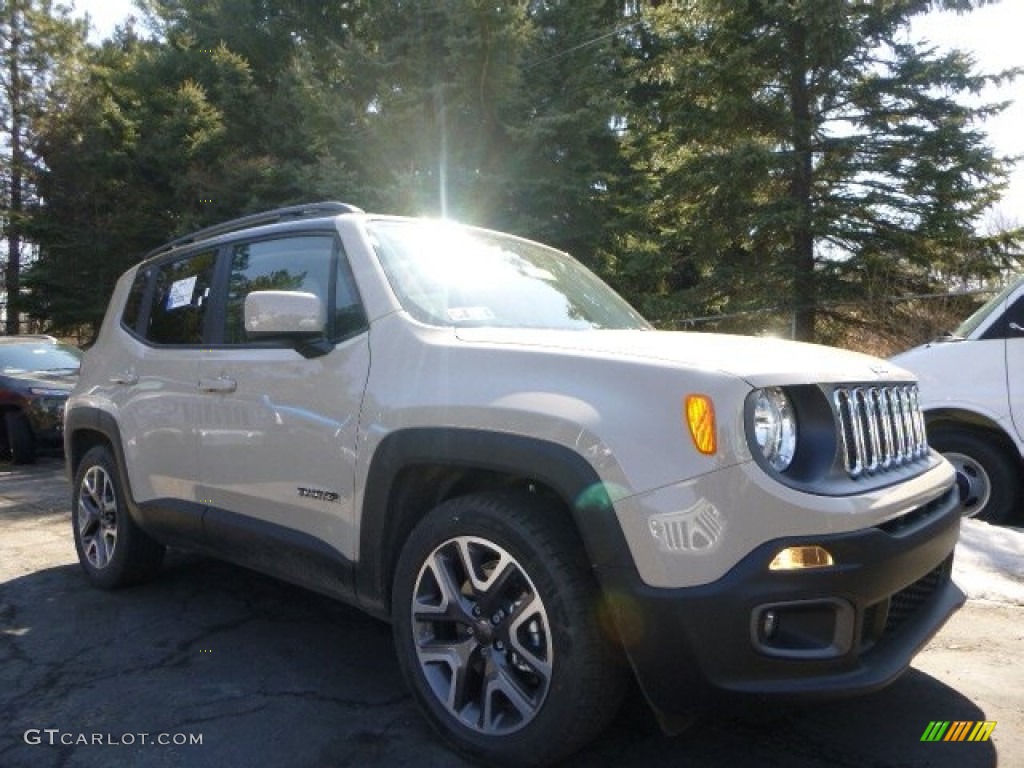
849 628
47 427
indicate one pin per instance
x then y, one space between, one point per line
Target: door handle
219 384
128 378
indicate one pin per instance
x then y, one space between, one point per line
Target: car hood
760 361
952 345
56 380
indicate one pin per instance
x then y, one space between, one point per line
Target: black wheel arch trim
95 420
947 420
88 419
940 419
555 466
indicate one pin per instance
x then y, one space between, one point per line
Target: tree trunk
12 274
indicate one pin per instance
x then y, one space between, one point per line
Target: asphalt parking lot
264 674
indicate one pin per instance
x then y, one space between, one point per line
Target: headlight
45 392
49 400
775 427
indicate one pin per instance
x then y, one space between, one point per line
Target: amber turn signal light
700 418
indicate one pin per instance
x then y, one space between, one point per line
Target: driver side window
286 264
1003 327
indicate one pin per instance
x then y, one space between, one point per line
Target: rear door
277 430
153 384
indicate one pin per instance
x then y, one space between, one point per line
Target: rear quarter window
136 295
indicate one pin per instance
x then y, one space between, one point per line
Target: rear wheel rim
97 517
973 483
482 636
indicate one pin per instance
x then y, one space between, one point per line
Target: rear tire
112 549
495 622
987 476
20 438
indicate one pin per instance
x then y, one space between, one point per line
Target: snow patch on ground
989 562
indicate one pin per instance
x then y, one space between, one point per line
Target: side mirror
290 314
294 315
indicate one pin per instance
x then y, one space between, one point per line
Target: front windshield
970 325
33 357
449 275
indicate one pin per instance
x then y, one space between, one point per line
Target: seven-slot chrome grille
880 427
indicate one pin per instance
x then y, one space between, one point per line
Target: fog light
804 629
797 558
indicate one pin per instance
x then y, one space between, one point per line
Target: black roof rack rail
306 211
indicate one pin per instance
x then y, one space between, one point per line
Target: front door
1012 329
277 430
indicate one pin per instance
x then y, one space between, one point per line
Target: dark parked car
36 375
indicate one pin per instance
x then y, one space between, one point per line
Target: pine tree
565 143
165 135
435 81
792 147
36 39
129 162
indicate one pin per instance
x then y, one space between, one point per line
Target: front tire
20 438
112 549
495 621
988 478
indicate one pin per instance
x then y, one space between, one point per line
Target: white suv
972 394
471 436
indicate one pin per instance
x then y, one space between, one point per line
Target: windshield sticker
181 292
529 270
470 314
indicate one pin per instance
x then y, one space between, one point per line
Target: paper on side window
181 292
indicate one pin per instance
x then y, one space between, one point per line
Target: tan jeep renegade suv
469 435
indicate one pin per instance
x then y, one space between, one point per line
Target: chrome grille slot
880 428
886 440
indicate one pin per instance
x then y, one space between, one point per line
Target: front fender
566 472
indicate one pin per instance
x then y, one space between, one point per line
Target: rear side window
180 299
